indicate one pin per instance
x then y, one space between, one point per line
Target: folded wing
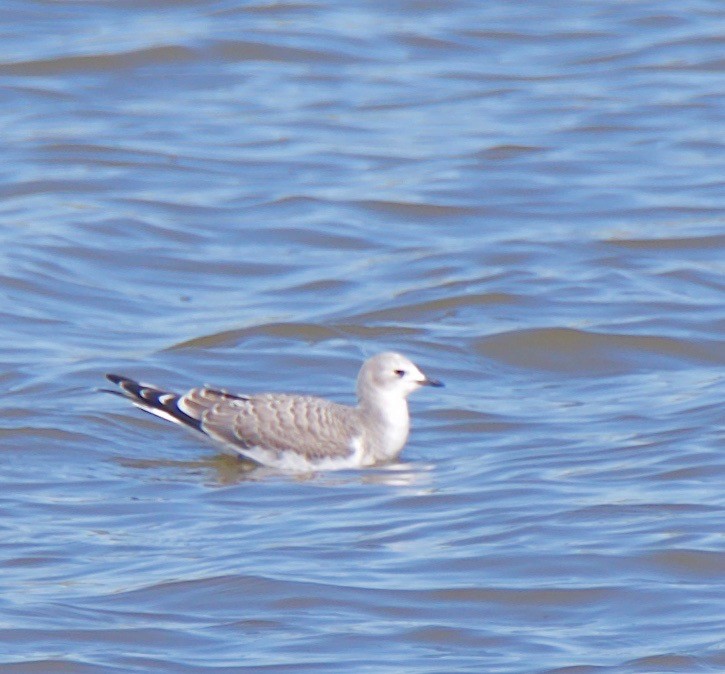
272 428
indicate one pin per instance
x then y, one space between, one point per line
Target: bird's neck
388 419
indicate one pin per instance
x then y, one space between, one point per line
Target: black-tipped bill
432 382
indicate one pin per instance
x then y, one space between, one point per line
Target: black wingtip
128 388
114 379
150 399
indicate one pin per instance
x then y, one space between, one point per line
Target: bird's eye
400 373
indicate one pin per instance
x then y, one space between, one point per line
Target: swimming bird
297 433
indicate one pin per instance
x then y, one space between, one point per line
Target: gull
297 433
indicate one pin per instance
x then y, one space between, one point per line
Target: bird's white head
389 375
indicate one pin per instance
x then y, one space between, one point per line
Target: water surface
524 198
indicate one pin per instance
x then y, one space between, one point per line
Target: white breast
389 429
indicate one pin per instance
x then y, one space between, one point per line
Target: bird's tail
164 404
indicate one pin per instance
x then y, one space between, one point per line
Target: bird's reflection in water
225 469
220 469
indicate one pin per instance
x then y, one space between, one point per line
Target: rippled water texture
526 198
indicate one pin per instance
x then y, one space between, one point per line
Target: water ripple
524 197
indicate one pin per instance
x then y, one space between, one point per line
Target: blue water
527 199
